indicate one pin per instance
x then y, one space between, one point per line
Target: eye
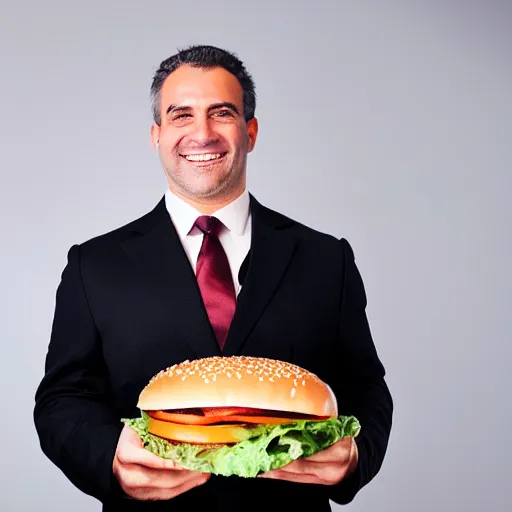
223 113
181 116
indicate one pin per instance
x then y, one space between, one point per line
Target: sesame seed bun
239 381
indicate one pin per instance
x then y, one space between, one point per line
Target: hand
327 467
145 476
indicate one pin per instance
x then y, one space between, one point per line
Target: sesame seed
263 368
293 392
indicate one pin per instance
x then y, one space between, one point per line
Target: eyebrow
215 106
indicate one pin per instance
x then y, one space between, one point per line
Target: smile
204 157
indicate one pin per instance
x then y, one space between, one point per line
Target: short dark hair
206 57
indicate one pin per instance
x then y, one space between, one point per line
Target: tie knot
209 225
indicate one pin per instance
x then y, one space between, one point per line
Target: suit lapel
272 248
159 254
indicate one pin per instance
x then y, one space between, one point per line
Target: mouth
204 158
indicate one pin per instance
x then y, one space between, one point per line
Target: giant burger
238 415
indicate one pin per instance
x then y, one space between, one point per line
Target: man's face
203 137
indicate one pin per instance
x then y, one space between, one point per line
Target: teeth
203 158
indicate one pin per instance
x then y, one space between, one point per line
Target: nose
203 132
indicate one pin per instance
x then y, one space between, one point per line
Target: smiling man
203 135
209 271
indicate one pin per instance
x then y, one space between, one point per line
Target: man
140 298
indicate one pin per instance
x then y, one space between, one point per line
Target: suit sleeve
361 386
77 429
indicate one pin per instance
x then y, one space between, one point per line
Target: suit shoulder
126 231
307 233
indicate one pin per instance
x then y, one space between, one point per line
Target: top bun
239 381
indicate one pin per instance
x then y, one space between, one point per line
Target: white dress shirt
235 237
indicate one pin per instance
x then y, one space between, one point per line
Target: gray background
388 123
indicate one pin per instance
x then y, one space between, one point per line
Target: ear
155 136
252 132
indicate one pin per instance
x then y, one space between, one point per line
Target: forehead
197 86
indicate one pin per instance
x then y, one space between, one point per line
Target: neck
208 206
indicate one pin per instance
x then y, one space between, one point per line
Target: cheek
233 134
240 141
170 141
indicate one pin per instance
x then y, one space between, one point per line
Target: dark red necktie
215 279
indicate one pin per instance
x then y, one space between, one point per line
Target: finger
191 484
131 451
302 466
297 466
302 478
136 478
310 472
134 456
166 493
334 453
167 479
130 435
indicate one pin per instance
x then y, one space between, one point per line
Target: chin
211 189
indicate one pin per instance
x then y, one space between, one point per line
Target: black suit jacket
128 306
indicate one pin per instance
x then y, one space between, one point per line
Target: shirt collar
234 215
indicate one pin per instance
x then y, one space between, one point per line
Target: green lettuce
261 447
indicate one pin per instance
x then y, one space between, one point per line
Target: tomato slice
231 411
185 419
223 417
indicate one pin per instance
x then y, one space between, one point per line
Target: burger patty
246 411
232 415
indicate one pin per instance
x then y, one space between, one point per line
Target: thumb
131 436
133 452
